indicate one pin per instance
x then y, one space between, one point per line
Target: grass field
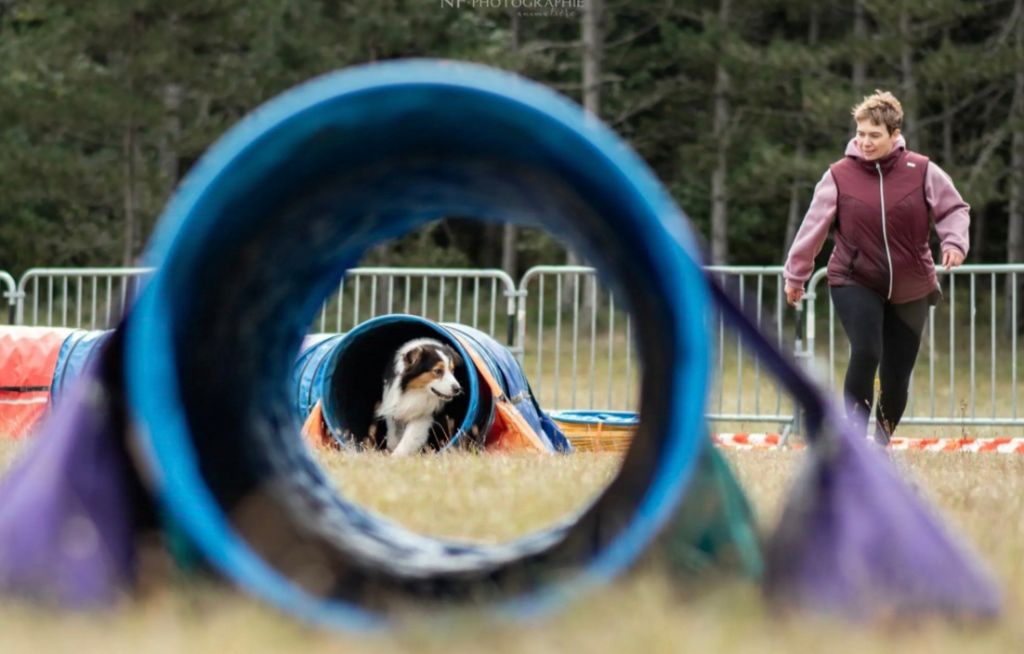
496 497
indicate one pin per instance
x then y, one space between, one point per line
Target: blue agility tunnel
343 373
78 351
504 368
252 243
258 235
312 375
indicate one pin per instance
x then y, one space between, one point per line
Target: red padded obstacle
28 356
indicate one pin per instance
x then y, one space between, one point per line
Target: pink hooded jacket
950 213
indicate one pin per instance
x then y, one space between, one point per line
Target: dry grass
486 498
494 497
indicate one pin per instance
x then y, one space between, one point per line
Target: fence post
522 297
802 355
515 301
6 280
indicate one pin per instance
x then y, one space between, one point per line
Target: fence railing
739 391
965 375
483 299
93 298
577 343
8 299
96 298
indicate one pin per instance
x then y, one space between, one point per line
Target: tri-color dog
420 381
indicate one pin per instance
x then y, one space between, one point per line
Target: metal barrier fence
576 342
953 348
740 392
567 299
578 350
483 299
87 298
95 298
8 299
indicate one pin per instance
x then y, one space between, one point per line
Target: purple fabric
66 528
854 538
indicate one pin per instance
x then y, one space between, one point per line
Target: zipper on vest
885 237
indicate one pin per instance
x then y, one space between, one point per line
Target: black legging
883 337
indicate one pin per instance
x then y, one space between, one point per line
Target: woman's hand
952 258
794 295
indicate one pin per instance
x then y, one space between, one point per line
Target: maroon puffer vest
894 261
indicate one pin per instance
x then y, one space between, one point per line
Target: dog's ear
453 355
413 356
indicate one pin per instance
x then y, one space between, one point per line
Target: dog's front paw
413 439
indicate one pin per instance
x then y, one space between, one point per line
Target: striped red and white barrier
1002 445
751 441
999 445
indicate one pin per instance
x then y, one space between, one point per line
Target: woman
880 200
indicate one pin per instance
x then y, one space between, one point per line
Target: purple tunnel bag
69 508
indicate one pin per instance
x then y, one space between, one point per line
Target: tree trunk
167 152
947 129
128 189
860 35
593 56
947 117
593 52
510 234
908 83
170 136
979 240
1015 204
140 201
793 216
720 135
509 249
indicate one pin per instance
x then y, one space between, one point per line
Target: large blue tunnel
258 235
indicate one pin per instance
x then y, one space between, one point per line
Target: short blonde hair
882 108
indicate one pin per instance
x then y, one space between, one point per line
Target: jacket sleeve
952 215
812 233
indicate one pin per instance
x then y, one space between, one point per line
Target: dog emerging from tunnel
417 385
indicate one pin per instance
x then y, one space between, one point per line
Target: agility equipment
27 359
854 539
252 243
995 445
258 235
597 431
337 381
36 366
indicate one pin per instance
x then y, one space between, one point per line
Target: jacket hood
852 150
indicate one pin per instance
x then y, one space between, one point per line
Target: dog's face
429 365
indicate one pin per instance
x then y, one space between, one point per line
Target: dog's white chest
410 405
